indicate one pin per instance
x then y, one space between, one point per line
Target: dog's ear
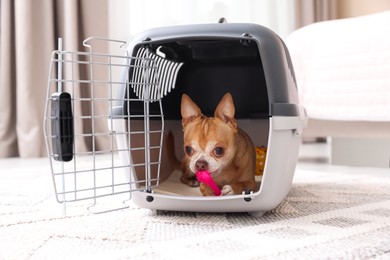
225 110
189 110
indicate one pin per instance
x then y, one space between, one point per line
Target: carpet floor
330 213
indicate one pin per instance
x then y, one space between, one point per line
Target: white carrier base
283 145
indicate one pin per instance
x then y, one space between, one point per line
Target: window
130 17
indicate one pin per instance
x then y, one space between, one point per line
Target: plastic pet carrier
140 104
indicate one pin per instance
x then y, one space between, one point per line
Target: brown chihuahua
217 145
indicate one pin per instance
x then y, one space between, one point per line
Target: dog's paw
189 180
194 183
227 190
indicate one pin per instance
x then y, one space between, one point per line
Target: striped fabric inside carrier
153 76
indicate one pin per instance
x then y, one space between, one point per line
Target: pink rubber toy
204 177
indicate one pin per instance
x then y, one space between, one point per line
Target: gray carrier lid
215 52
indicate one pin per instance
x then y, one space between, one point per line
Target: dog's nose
201 165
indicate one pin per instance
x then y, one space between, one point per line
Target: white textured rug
326 215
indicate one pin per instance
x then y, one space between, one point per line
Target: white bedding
343 68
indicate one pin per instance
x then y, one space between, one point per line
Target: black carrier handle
62 126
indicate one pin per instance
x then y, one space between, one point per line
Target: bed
343 74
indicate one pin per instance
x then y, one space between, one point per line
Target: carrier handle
92 38
62 126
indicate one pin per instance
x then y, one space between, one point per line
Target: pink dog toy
204 177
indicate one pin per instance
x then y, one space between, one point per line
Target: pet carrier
143 104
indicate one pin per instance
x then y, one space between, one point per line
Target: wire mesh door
95 152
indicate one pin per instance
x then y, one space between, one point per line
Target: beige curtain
311 11
28 34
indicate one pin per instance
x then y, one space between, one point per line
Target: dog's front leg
188 177
238 187
206 190
227 190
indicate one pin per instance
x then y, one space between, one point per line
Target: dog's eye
219 151
189 151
